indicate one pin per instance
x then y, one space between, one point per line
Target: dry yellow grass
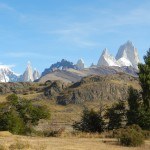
71 143
5 134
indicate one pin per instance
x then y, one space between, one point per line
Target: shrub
10 121
54 133
20 115
131 136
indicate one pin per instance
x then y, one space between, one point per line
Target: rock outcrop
92 88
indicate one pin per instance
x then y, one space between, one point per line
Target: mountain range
7 75
126 61
127 56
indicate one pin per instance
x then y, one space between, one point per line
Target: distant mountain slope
62 65
72 75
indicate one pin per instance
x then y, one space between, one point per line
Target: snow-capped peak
7 75
106 59
28 74
129 52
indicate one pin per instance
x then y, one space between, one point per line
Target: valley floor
71 143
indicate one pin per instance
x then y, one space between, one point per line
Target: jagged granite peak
7 75
62 65
80 64
123 61
28 74
130 53
36 74
106 59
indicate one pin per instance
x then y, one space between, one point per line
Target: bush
54 133
11 121
131 136
19 115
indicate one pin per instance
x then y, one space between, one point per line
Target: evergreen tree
134 104
116 115
91 121
144 77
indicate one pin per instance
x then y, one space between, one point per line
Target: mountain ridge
127 56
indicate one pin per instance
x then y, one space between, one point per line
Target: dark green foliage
91 121
11 121
131 136
144 77
134 103
19 115
137 113
144 119
116 115
139 103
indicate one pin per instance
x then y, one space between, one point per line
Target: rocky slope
20 88
94 88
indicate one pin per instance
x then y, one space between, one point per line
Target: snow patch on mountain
129 52
127 56
36 74
106 59
7 75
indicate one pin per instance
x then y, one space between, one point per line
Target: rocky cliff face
97 88
28 74
62 65
36 75
130 53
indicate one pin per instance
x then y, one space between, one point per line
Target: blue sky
45 31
